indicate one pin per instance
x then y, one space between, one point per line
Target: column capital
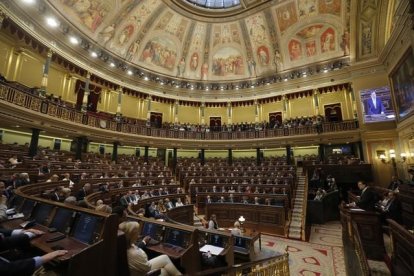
50 52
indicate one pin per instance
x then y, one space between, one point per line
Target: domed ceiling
180 39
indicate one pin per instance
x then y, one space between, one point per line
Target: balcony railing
33 102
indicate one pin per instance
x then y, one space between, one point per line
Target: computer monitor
86 228
41 213
216 240
177 237
27 207
151 229
62 220
240 242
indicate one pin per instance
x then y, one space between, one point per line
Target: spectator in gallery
375 106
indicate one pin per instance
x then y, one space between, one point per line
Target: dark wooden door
333 112
215 123
156 119
275 117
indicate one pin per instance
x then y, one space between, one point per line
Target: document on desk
214 250
357 209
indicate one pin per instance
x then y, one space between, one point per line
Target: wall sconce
383 158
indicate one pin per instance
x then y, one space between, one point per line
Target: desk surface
172 251
71 245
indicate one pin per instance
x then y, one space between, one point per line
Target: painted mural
330 7
150 33
286 16
307 8
161 52
227 62
295 50
90 13
328 40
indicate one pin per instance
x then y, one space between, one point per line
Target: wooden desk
188 255
262 218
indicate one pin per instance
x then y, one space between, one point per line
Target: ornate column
176 111
285 106
202 157
149 100
81 146
352 95
146 153
34 142
115 151
256 111
84 107
118 108
43 85
288 154
174 159
258 157
316 101
230 156
202 108
321 152
229 113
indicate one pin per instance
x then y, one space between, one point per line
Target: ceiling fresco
152 35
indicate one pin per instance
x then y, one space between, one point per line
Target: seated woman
237 229
138 262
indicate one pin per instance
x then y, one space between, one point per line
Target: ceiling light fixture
112 64
129 72
94 54
29 2
52 22
74 40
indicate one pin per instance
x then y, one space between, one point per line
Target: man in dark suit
12 239
394 184
392 210
368 197
83 192
375 105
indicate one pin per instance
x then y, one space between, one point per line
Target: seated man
13 239
368 198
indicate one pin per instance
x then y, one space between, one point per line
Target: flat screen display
27 207
85 228
62 220
152 230
377 105
216 240
177 237
240 242
41 213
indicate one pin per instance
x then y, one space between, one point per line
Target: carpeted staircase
299 208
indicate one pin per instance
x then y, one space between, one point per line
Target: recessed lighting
285 79
146 78
52 22
29 1
74 40
129 72
94 54
112 64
